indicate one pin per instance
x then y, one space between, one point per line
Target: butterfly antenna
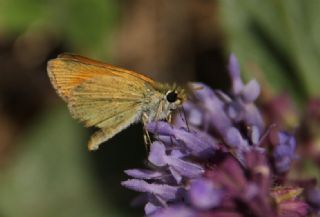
184 117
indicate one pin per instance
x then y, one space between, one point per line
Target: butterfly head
175 97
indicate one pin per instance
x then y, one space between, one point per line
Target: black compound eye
172 96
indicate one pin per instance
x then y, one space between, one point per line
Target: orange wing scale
68 71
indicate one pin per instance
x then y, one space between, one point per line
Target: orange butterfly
109 97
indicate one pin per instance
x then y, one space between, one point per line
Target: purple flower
162 191
234 72
249 187
193 142
220 164
175 211
204 195
284 152
313 198
178 167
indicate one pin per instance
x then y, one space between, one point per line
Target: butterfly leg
157 116
169 118
146 135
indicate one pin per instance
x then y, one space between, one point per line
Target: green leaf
280 37
87 26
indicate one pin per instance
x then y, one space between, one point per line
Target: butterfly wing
99 94
112 126
110 103
68 71
99 99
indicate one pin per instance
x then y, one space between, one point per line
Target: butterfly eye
172 96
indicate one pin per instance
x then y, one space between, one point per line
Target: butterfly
111 98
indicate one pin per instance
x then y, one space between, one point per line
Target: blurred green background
46 169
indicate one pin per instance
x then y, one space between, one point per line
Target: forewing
69 71
102 98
